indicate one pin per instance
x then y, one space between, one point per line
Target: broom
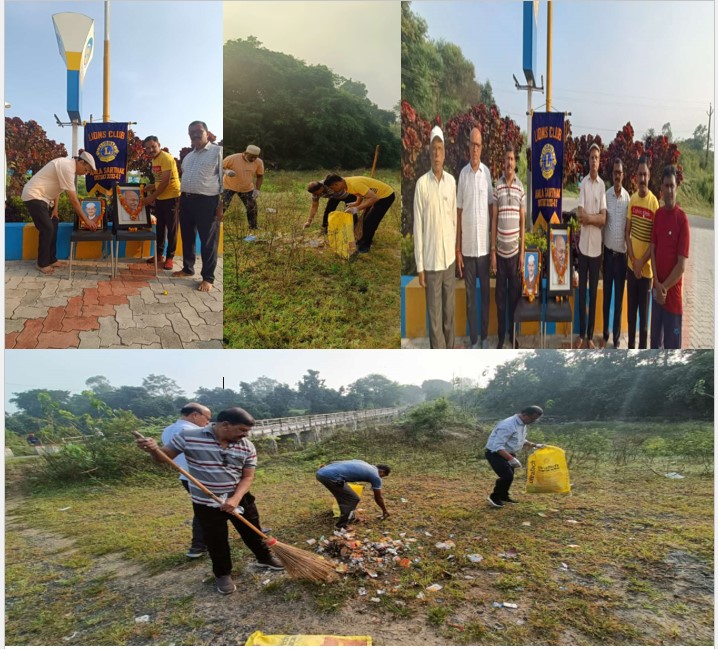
298 563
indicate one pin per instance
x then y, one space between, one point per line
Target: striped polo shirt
509 199
217 468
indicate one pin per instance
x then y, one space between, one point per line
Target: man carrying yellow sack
506 439
336 477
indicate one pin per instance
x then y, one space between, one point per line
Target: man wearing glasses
220 456
193 416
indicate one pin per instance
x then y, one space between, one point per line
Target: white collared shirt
614 232
592 198
202 171
434 222
473 199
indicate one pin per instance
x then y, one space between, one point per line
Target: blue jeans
665 328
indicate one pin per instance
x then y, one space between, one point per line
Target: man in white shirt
43 190
592 216
615 262
200 204
475 195
434 240
193 415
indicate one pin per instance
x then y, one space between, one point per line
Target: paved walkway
135 310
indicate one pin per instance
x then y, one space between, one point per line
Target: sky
358 40
158 52
613 62
69 369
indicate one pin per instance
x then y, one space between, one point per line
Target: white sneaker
498 505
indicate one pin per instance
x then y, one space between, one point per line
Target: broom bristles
301 564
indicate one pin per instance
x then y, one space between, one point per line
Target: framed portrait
531 278
94 210
130 210
559 260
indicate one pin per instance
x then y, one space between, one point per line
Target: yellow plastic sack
547 472
259 639
358 490
341 234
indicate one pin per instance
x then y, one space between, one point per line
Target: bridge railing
289 425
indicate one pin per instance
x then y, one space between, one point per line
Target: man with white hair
434 241
247 179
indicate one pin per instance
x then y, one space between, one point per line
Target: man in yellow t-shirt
165 197
374 198
246 167
639 226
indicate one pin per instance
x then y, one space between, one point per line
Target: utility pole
708 139
549 25
106 67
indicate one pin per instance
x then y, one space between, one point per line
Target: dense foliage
301 116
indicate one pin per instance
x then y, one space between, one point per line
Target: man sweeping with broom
221 458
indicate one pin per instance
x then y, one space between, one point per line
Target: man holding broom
507 439
222 458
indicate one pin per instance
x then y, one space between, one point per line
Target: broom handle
376 155
198 484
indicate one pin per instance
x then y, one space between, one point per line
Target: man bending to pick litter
221 458
506 439
335 476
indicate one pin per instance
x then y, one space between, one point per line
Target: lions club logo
547 160
107 151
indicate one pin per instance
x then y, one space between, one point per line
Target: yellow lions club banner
107 142
546 168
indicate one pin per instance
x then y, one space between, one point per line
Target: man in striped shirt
222 458
508 215
614 253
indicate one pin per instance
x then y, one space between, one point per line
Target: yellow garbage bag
341 234
259 639
547 472
358 490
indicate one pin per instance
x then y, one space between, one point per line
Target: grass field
627 558
287 289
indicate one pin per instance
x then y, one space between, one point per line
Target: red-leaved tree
27 148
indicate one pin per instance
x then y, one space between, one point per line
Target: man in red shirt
670 242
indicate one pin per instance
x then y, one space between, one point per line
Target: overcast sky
166 67
69 369
358 40
613 61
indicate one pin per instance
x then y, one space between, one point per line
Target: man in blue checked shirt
507 439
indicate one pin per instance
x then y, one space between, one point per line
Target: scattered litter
404 500
411 540
404 563
381 592
553 510
510 605
572 545
469 577
526 524
402 534
342 568
362 592
446 545
250 239
311 541
475 558
674 476
562 588
142 618
70 637
451 557
64 509
428 534
375 599
563 566
434 587
271 210
420 596
572 521
497 605
266 581
509 554
541 514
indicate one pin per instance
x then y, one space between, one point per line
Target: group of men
477 228
191 203
221 457
642 245
644 248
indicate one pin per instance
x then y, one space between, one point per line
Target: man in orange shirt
246 166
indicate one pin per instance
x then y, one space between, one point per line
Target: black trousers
372 219
167 219
47 244
332 204
198 215
216 536
345 496
614 283
477 267
505 472
639 292
197 535
507 278
588 268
